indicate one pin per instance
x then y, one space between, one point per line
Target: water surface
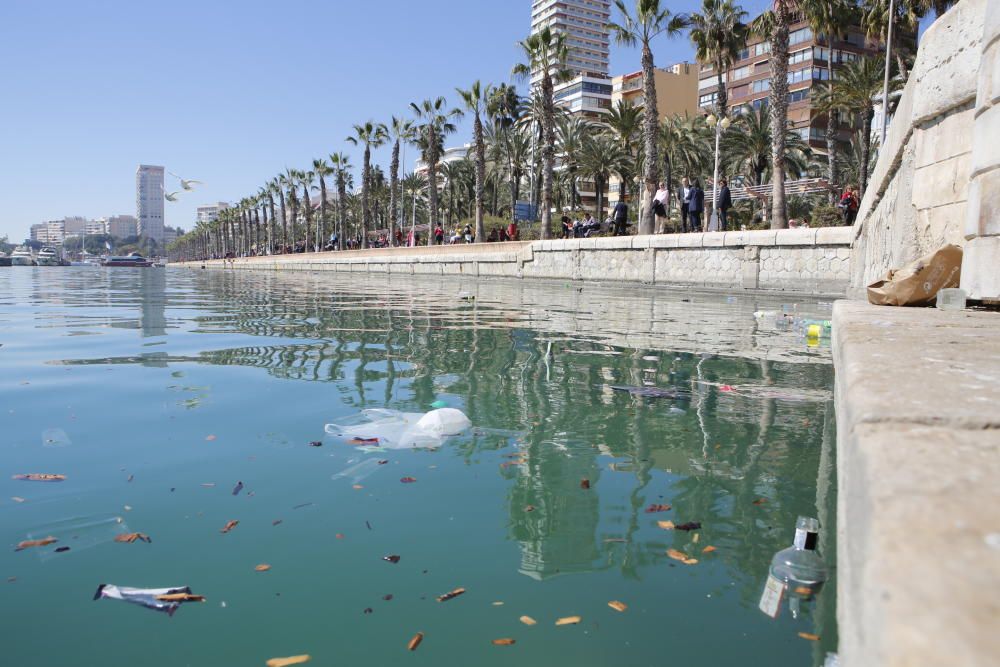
156 391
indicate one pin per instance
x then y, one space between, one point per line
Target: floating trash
391 429
359 471
159 599
55 437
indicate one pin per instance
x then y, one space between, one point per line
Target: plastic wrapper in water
150 598
359 471
404 430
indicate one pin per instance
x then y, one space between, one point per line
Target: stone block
983 212
834 235
989 77
736 238
981 268
795 237
942 183
664 241
986 140
943 137
945 72
689 240
761 237
713 239
940 226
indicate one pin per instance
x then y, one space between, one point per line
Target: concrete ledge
919 464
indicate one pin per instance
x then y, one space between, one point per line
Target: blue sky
227 92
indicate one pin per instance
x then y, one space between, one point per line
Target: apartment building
812 62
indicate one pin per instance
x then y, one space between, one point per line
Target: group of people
691 197
849 204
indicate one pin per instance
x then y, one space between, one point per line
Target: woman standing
696 206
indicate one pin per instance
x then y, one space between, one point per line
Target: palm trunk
866 148
365 210
393 198
270 234
321 224
341 208
599 186
284 219
477 131
548 155
779 113
306 213
721 98
432 193
293 203
651 122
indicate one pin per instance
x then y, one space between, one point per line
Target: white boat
22 257
48 256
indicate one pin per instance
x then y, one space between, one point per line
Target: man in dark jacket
620 215
696 205
725 203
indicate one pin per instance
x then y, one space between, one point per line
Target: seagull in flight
170 196
186 184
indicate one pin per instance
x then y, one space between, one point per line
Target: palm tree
505 109
322 169
475 100
905 23
341 164
718 33
773 25
401 131
857 86
648 22
284 182
305 180
371 135
828 19
626 120
746 148
572 132
273 188
601 157
546 53
435 122
685 143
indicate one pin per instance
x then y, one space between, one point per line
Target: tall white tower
149 201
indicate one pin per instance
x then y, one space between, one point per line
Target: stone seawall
801 261
940 142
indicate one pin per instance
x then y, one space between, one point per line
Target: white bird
186 184
170 196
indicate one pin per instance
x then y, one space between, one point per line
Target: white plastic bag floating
391 429
159 599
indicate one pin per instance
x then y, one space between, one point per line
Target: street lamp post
719 126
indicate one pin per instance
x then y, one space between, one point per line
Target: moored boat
133 260
22 257
48 256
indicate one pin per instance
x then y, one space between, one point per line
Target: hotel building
149 201
210 213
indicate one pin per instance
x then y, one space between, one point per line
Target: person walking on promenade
660 201
696 205
725 203
684 197
849 205
438 234
620 214
567 227
512 231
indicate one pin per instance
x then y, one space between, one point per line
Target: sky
229 92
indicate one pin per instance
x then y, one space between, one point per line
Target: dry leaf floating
40 477
569 620
810 636
27 544
229 526
263 567
506 641
415 642
286 662
617 605
527 620
450 595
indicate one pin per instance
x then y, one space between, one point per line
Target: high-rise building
210 213
122 226
676 89
75 225
149 201
49 233
585 24
748 81
96 227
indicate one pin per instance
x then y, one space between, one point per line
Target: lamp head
711 120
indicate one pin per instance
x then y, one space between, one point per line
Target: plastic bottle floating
393 429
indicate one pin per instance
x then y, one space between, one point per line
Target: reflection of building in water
152 289
559 535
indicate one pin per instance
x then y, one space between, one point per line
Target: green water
119 379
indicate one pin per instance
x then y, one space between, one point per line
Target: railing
805 186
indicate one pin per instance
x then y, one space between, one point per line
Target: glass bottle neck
805 540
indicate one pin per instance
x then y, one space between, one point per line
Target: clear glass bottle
799 567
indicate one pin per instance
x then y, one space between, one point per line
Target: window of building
743 55
820 73
739 91
707 99
799 36
798 95
739 73
762 48
761 86
800 75
798 56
